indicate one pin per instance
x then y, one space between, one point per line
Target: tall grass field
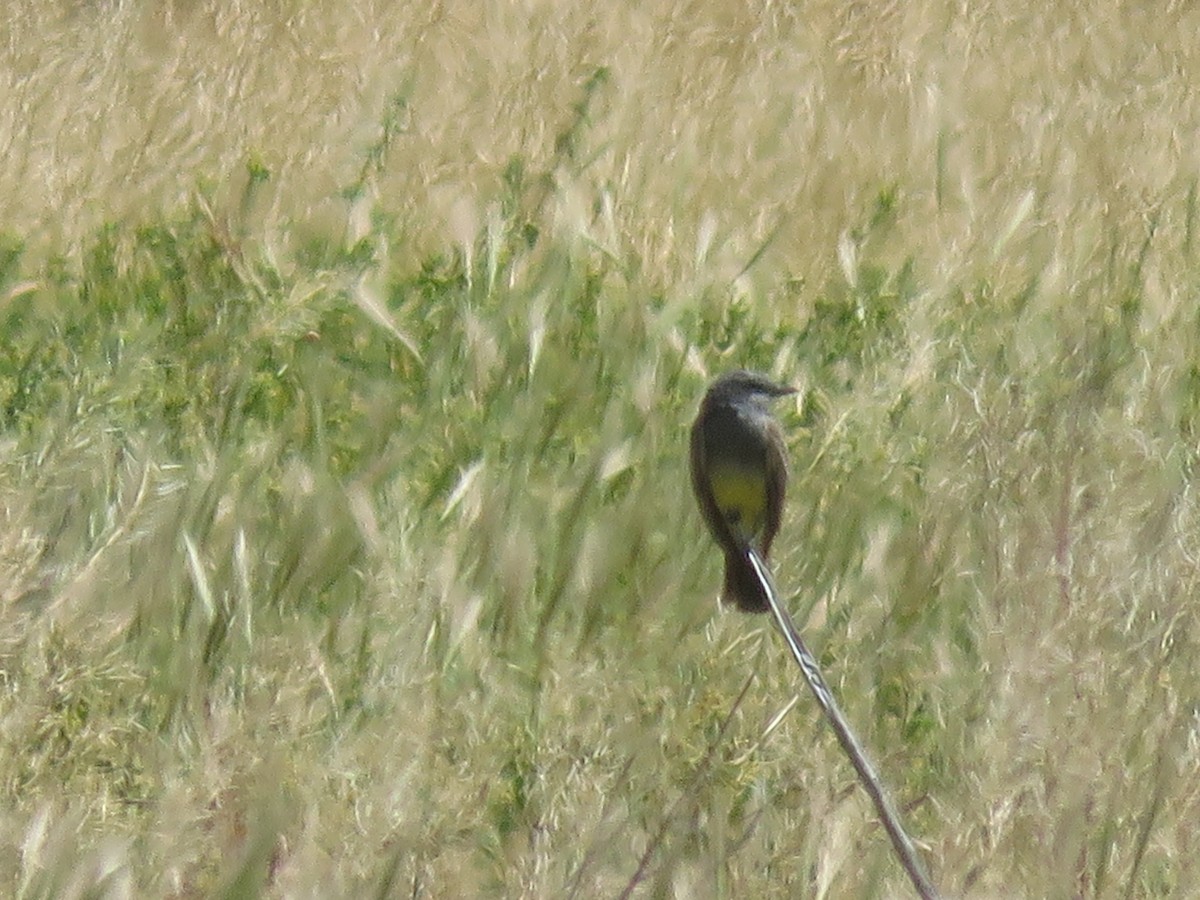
348 353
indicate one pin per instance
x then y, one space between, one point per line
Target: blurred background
347 355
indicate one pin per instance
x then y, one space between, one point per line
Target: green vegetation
346 543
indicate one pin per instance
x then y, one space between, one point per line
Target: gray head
741 385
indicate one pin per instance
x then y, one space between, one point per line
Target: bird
739 475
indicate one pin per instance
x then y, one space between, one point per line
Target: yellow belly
741 496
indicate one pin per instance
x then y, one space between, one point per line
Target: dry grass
345 547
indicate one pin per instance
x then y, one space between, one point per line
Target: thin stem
905 849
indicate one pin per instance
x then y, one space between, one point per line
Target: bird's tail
743 587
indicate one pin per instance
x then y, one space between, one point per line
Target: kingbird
739 474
